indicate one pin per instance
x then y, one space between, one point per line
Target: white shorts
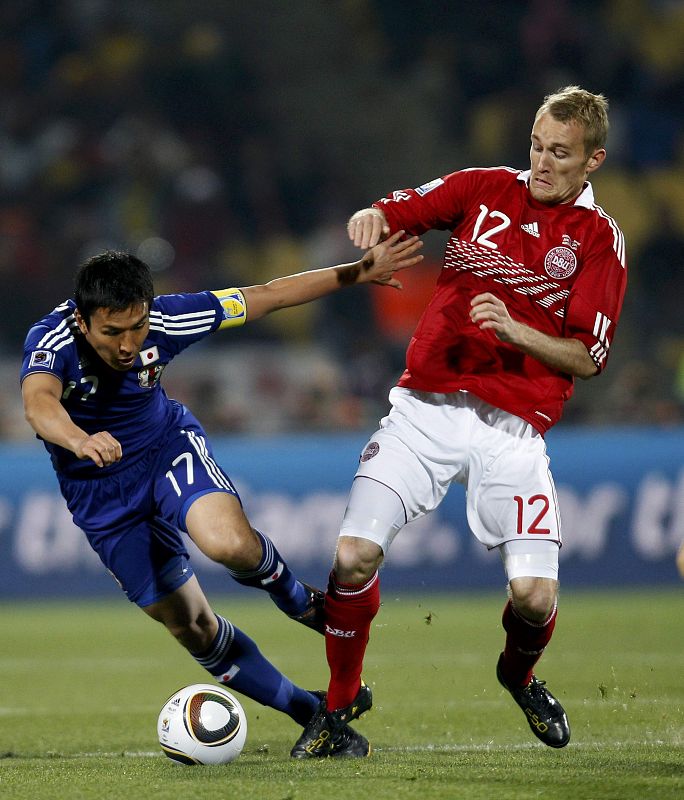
428 441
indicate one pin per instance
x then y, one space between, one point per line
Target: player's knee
356 559
534 598
219 547
218 526
234 548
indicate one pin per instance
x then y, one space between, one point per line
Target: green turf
81 685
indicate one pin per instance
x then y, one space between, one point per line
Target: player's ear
596 159
80 322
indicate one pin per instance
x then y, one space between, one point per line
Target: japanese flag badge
149 355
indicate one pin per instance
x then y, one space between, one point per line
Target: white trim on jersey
598 352
212 468
601 325
550 299
618 236
512 170
70 340
185 332
182 324
51 340
585 199
161 328
209 312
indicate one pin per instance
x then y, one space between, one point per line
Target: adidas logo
532 228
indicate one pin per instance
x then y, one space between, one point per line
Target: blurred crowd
227 143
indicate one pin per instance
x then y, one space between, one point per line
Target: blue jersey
132 405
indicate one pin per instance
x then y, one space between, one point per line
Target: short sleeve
436 205
46 350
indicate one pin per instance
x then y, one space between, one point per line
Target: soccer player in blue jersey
136 468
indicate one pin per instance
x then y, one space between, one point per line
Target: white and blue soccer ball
202 724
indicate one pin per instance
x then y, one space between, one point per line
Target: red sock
525 643
349 611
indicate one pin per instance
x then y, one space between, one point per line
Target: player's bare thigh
218 526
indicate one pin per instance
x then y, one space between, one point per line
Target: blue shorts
133 519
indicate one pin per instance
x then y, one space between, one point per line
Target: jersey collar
585 198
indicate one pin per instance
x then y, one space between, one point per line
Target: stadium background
226 143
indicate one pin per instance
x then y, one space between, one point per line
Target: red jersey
558 268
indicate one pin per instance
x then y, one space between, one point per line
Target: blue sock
274 576
234 660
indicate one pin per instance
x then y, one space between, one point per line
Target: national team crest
148 377
560 262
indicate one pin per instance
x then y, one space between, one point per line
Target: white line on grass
491 747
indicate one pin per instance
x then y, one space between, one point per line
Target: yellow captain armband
234 307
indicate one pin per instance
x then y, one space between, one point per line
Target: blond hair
573 104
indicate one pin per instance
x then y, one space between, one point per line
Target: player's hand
490 313
367 227
381 262
101 447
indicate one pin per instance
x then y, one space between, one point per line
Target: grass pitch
81 685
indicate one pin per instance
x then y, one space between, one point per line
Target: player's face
117 336
559 161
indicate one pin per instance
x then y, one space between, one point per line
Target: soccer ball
202 724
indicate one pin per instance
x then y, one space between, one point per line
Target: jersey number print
485 238
539 507
189 472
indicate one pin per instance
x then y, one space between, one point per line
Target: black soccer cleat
545 715
328 733
314 614
350 744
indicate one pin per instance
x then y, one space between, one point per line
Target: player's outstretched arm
379 264
47 416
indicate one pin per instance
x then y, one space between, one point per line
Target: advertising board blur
621 494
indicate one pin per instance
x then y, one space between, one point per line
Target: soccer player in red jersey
528 299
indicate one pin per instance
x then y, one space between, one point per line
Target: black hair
112 280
